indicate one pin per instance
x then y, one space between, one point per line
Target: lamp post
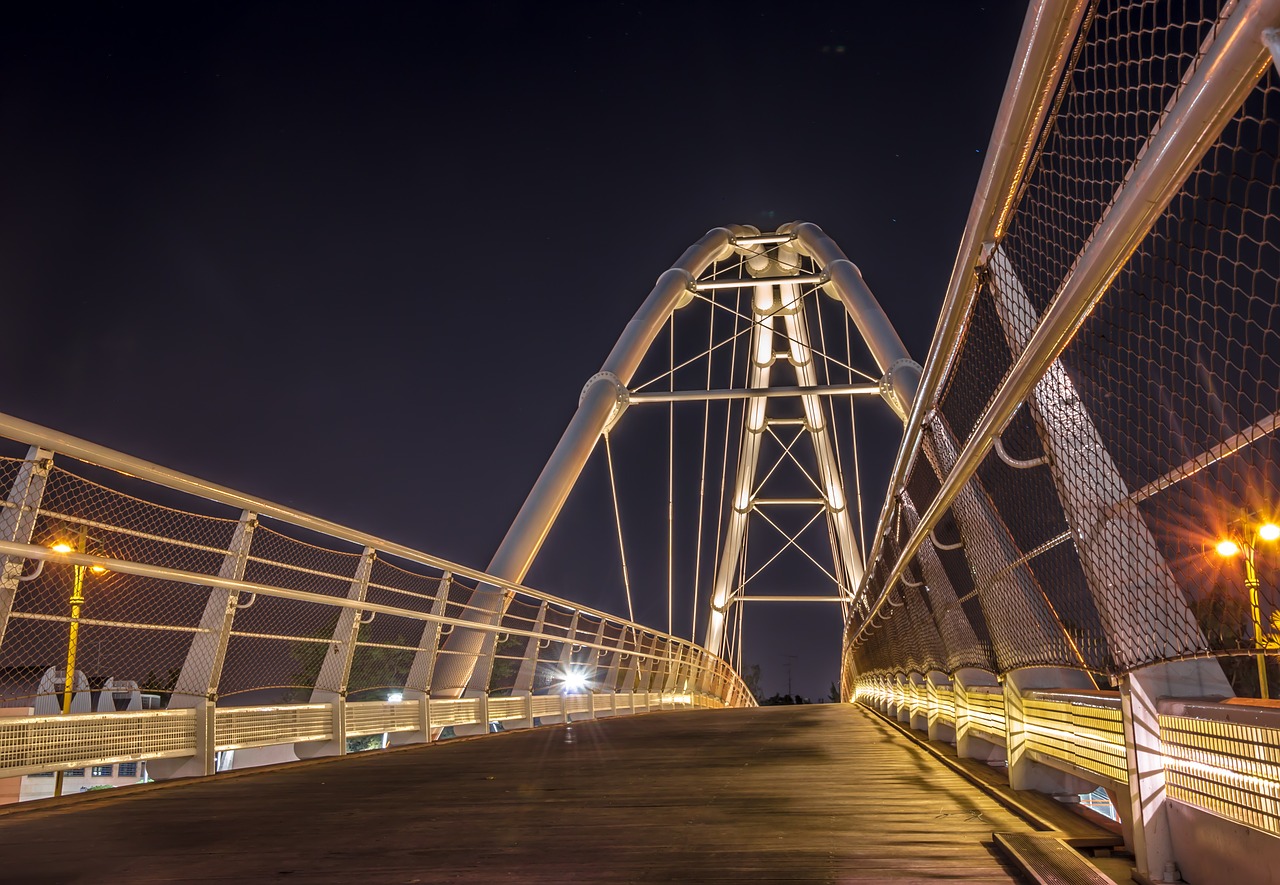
76 600
1242 540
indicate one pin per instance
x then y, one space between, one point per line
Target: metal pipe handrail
32 434
1210 95
1048 31
182 576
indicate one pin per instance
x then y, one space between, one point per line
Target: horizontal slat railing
1224 759
37 744
984 712
1221 758
1081 729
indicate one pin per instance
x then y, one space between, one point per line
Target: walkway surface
783 794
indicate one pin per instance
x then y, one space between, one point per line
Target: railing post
645 666
523 686
335 672
206 758
615 664
566 653
593 682
18 523
1154 841
417 685
1145 616
630 669
1024 772
918 713
968 744
197 684
672 673
940 686
902 698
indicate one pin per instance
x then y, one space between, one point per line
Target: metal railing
146 615
1221 757
1086 494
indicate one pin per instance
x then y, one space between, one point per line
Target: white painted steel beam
599 405
1143 610
679 396
711 285
846 557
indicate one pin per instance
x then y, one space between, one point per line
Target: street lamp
1242 539
78 545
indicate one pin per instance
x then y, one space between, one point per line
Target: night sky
360 259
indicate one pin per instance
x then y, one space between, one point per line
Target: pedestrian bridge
821 793
1070 588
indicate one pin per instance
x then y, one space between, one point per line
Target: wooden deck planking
783 794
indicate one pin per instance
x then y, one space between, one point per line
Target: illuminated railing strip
1087 734
984 713
1228 769
36 744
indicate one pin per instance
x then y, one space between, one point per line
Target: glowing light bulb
61 547
1269 531
1227 547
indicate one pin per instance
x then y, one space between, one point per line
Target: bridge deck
797 794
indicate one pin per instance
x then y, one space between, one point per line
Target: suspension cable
853 436
837 549
671 480
791 542
702 487
728 421
784 336
693 359
617 518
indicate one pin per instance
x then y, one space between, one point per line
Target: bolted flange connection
621 394
893 385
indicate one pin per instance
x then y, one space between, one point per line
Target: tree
751 678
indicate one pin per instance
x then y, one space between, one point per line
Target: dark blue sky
360 258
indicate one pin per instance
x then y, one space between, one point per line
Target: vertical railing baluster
197 684
417 685
335 671
18 523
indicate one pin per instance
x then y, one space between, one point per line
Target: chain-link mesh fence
1089 536
179 607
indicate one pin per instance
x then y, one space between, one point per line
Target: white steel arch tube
602 400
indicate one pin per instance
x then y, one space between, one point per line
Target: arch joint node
622 396
892 385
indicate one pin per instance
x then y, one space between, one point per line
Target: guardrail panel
378 717
1226 768
32 744
237 728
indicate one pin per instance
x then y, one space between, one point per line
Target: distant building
77 780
